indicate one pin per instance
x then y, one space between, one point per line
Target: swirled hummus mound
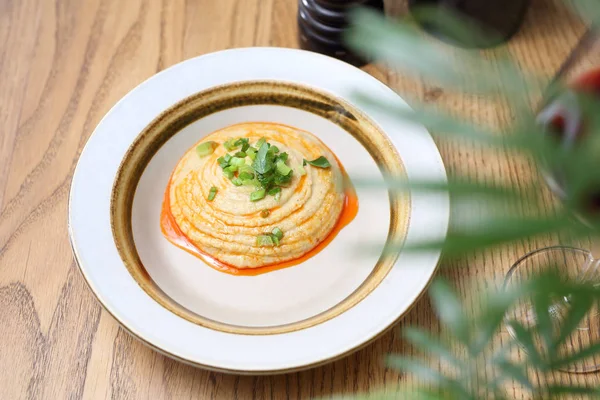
256 194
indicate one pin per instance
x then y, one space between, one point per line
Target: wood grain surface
63 64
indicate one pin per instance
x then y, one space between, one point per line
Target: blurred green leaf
425 341
588 10
489 233
541 304
449 310
581 355
512 371
456 187
411 394
579 305
452 25
557 390
573 163
437 121
428 374
492 315
404 46
525 339
422 371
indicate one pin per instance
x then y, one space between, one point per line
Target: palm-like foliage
403 46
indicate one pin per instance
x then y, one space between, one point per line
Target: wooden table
63 64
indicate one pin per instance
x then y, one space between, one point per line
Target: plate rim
364 342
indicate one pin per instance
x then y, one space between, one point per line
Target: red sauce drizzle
173 233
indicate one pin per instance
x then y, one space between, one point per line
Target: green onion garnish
278 233
263 163
320 162
282 168
246 176
212 193
301 170
258 195
222 162
237 181
274 191
282 180
282 157
230 144
265 213
242 142
231 168
237 161
275 240
264 240
206 148
228 173
261 166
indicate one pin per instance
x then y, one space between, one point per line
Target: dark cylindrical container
322 22
498 20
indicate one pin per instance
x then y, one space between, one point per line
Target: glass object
572 263
561 113
498 20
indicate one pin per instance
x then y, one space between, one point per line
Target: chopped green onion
237 181
264 240
282 179
278 196
237 161
246 145
240 154
228 172
301 170
206 148
245 168
245 176
227 158
230 144
275 240
274 149
258 195
274 191
278 233
265 213
320 162
241 142
283 157
252 182
231 168
222 162
251 152
282 168
212 193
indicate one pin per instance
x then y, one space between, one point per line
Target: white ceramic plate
280 321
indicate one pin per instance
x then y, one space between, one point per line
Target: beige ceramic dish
279 321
